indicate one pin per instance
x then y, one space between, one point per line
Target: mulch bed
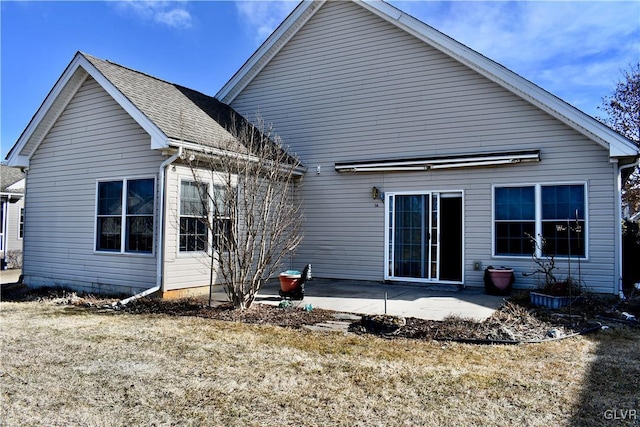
516 321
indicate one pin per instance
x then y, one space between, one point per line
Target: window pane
222 236
562 202
108 234
193 198
193 234
140 197
512 239
220 201
564 239
515 203
139 234
110 198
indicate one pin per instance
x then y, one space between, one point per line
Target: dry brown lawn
65 365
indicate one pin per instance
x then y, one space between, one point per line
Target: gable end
59 97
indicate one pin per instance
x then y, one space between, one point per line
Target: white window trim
21 223
209 248
123 216
538 218
212 179
387 257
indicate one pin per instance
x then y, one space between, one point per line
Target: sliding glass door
414 236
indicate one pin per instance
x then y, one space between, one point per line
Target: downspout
618 234
3 244
160 237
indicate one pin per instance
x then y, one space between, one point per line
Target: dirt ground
516 321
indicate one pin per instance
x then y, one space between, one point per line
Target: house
426 162
11 217
107 186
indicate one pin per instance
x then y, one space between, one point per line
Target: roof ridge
95 58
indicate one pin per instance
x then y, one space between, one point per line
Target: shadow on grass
611 392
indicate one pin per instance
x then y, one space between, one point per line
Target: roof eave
271 46
16 156
617 145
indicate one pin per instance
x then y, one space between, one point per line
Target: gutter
298 170
618 213
160 236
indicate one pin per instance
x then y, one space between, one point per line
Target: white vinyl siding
183 269
350 87
93 140
12 237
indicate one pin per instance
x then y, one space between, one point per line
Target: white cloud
262 17
176 18
574 49
170 13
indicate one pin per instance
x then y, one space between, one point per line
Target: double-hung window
125 216
203 213
221 218
194 201
515 218
553 214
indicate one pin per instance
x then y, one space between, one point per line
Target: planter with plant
552 292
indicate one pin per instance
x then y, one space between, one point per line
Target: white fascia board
17 158
158 138
298 170
17 161
617 145
267 50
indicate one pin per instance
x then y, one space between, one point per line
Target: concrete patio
433 302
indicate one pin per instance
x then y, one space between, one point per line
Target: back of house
427 161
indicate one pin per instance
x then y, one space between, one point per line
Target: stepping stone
329 327
347 316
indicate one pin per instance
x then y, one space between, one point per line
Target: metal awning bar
443 162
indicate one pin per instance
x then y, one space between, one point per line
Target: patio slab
432 302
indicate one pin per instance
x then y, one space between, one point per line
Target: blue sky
574 49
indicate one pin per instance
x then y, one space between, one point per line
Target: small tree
622 110
253 212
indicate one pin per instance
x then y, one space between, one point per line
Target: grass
65 365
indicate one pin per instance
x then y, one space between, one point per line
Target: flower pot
501 277
549 301
289 280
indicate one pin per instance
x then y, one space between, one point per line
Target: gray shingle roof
8 177
181 113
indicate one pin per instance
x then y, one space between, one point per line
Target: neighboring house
11 217
426 162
